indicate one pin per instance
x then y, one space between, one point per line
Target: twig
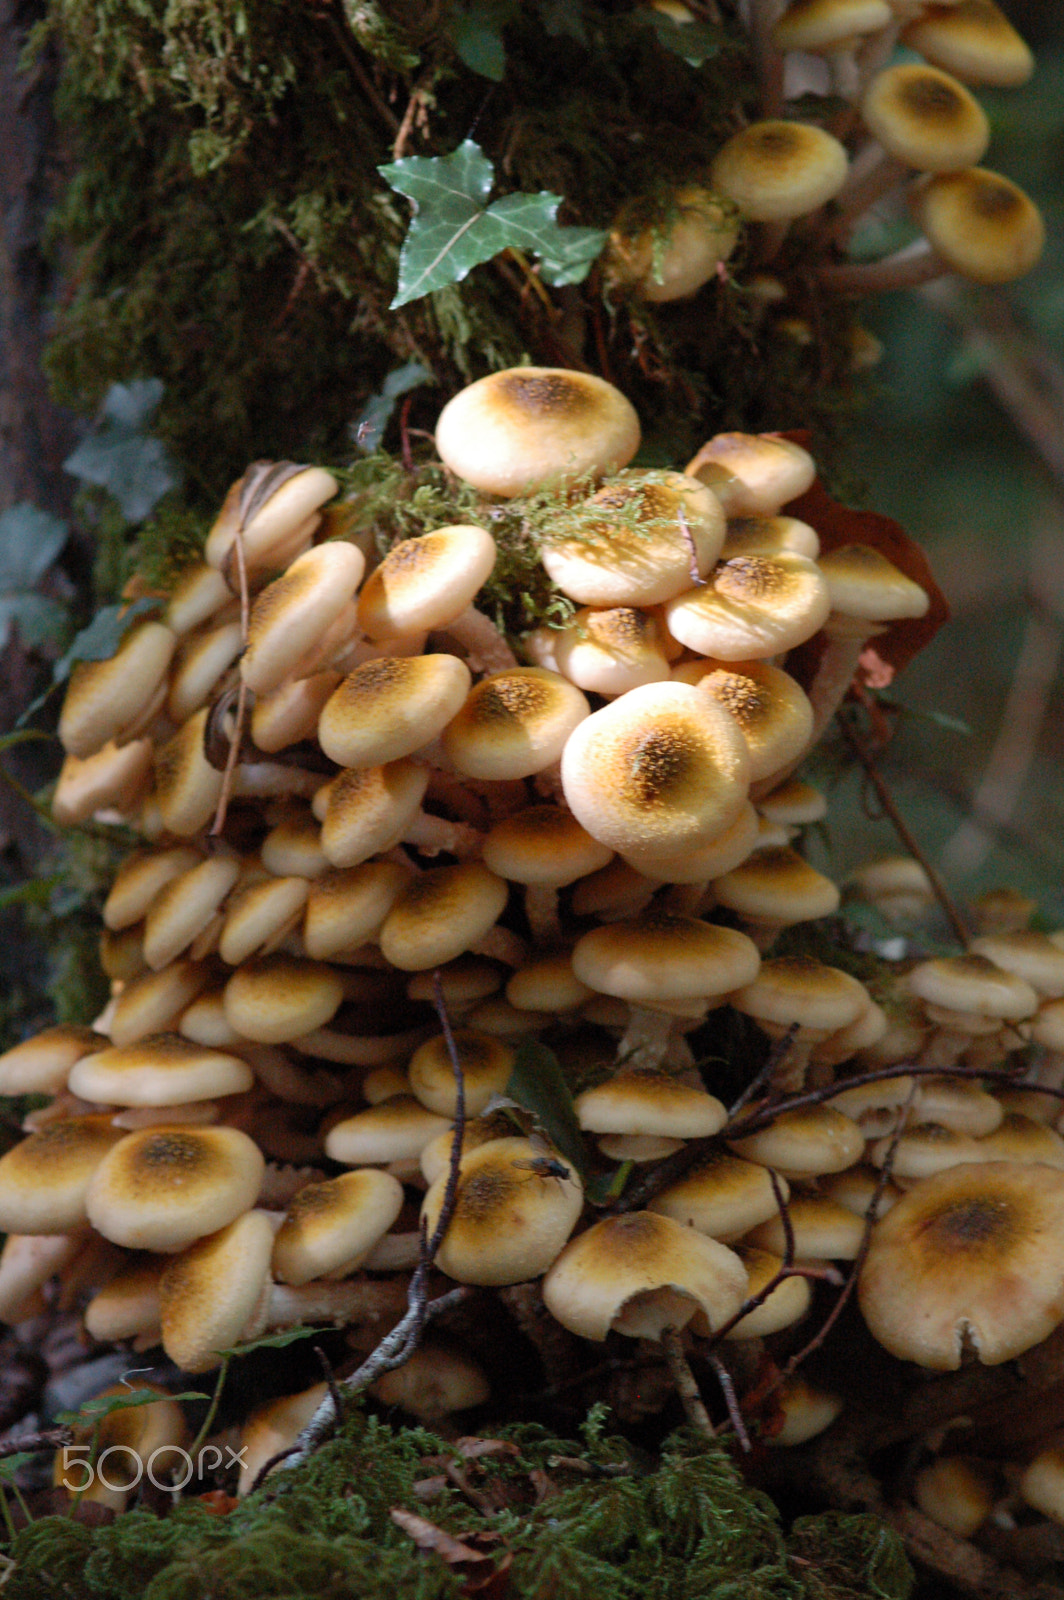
32 1443
735 1415
776 1058
410 116
236 738
399 1345
365 81
697 580
684 1381
901 827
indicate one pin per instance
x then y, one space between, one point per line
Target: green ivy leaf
455 229
476 34
95 1410
538 1085
119 457
40 621
270 1341
30 540
368 428
9 1465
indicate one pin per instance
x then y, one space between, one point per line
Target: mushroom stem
541 909
916 264
873 174
27 1262
684 1380
499 944
431 834
350 1300
647 1037
768 61
486 649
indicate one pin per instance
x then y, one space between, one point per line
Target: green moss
607 1530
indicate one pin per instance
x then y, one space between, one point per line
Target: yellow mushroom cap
806 1412
925 118
187 786
611 651
346 909
639 1274
968 1259
771 708
103 697
794 803
543 845
786 1305
973 39
128 1304
441 913
702 863
863 583
514 431
722 1195
433 1383
202 659
272 1428
258 917
44 1179
822 1229
804 1144
41 1064
208 1294
775 171
638 541
668 252
273 504
123 1443
396 1129
390 707
368 809
291 613
290 713
981 224
163 1187
658 771
753 475
822 26
659 957
1030 955
199 592
184 906
768 535
160 1070
139 879
647 1101
118 777
510 1218
973 983
486 1066
514 724
751 607
778 886
331 1227
1042 1484
153 1002
280 997
293 847
425 583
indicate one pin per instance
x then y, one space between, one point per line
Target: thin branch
901 827
236 738
685 1383
735 1414
34 1443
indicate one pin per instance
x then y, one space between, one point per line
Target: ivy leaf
10 1465
476 34
270 1341
96 1410
694 42
40 621
368 429
30 540
119 457
454 228
538 1085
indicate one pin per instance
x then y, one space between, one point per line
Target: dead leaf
474 1557
472 1447
427 1536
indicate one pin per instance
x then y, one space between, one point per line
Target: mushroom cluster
357 795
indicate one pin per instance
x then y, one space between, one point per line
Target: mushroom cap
751 607
198 593
543 845
515 431
823 1230
396 1129
440 914
668 252
347 908
981 224
201 660
822 26
425 583
774 170
973 39
611 651
663 957
128 1304
510 1218
486 1066
184 906
187 787
721 1195
768 535
639 1274
274 505
637 541
118 777
804 1144
548 984
290 713
162 1187
973 983
772 710
970 1258
44 1179
208 1294
658 771
160 1070
641 1100
702 863
863 583
925 118
153 1002
104 697
259 916
514 723
1042 1483
1023 1138
290 614
390 707
794 803
41 1064
292 848
778 886
433 1383
368 809
788 1302
281 997
1030 955
331 1227
139 879
753 474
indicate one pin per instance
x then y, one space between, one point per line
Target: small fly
545 1167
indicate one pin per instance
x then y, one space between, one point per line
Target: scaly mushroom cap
1030 955
290 713
41 1065
770 707
389 708
293 847
163 1187
973 39
486 1066
161 1070
786 1305
198 593
611 651
259 917
775 171
639 1274
368 809
778 886
548 985
208 1294
925 118
708 861
44 1179
752 607
543 845
104 697
425 583
331 1227
118 777
722 1195
275 506
822 26
515 431
791 989
347 909
863 583
638 541
441 913
661 957
201 662
396 1129
822 1229
969 1259
658 771
139 879
281 997
646 1101
752 474
1023 1138
187 787
153 1002
514 724
982 225
510 1218
184 906
767 536
291 613
128 1304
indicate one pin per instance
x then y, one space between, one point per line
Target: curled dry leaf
471 1556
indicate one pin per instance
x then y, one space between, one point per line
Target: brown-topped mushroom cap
390 707
659 957
163 1187
331 1227
776 170
981 224
103 697
44 1179
751 607
208 1294
973 39
423 584
925 118
160 1070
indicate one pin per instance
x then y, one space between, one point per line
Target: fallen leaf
427 1536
